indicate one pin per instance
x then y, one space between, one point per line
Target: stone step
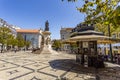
45 50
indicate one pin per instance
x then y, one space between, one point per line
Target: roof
69 28
88 32
66 28
90 37
98 38
27 31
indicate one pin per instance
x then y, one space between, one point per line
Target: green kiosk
87 39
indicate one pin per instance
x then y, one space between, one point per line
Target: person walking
15 50
119 59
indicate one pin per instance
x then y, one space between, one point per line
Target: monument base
46 50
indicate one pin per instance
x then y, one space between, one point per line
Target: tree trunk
110 46
2 48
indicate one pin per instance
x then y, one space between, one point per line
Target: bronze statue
47 26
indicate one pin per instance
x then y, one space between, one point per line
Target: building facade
65 34
116 46
34 36
13 28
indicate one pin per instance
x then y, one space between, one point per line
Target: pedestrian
15 50
119 59
24 49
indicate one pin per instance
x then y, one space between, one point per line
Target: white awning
100 39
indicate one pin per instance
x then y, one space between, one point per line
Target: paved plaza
28 66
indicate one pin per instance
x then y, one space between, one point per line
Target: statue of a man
47 26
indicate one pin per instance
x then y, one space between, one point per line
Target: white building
11 27
3 23
34 36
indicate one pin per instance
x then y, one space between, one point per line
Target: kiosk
87 39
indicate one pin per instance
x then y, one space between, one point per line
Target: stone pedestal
47 42
47 39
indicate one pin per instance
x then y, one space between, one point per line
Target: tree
14 42
27 43
116 16
5 36
56 44
101 11
103 28
20 40
104 12
98 11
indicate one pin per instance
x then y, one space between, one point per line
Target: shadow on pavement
70 65
109 73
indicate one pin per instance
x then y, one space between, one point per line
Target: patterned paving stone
14 73
70 75
20 61
28 66
2 62
7 66
36 76
36 66
51 71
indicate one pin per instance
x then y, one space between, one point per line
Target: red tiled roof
27 31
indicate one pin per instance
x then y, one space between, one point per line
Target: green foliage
5 35
20 40
102 13
10 40
27 43
6 38
104 28
116 16
56 44
14 42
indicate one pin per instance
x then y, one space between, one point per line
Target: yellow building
116 46
65 34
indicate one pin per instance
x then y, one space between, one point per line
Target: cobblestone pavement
28 66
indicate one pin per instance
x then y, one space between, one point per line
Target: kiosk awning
100 39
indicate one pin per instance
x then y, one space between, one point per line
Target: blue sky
32 14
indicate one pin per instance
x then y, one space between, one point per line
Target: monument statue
47 26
